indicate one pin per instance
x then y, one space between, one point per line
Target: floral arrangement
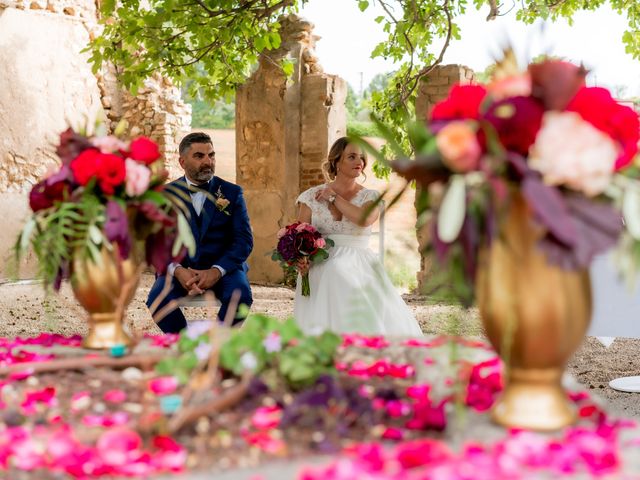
107 193
567 149
300 245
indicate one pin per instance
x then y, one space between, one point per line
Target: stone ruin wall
46 85
51 86
433 88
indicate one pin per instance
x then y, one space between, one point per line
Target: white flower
195 329
248 361
202 351
109 144
570 151
273 342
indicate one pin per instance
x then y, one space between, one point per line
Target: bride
350 291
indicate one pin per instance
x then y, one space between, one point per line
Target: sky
595 38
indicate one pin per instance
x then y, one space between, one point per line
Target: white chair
200 301
380 231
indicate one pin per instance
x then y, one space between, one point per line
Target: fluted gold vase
535 315
105 289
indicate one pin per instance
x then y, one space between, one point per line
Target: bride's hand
324 194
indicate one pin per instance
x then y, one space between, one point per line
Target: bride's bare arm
356 214
304 214
352 212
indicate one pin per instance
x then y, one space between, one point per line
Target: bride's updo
330 167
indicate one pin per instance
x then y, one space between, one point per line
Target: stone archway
284 128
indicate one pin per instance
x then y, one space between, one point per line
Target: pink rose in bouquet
299 246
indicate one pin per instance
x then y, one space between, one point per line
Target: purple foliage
598 227
116 228
550 209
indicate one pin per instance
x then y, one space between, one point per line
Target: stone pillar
433 88
284 127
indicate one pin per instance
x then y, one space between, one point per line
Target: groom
220 226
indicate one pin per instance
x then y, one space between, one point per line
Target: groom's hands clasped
203 280
196 282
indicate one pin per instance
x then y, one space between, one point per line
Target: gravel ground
26 311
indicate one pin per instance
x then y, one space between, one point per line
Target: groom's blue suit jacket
221 239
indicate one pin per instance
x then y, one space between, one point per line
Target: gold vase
105 289
535 315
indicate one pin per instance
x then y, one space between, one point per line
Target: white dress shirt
198 198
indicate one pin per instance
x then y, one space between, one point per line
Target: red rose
85 165
50 190
463 102
517 121
111 172
597 106
144 150
307 242
38 199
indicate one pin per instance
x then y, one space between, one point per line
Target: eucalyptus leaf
95 235
186 236
631 211
27 231
452 210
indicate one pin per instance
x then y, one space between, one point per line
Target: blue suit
221 239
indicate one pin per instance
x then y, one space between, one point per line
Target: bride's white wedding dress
350 291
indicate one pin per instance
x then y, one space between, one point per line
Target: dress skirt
351 293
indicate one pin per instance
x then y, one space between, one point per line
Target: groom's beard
203 175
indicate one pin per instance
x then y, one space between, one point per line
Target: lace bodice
322 219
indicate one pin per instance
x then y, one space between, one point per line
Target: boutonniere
221 202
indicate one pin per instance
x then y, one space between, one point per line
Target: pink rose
320 242
163 385
137 179
281 233
458 144
266 418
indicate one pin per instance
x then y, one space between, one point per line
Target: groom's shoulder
229 186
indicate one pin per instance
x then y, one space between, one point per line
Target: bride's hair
330 167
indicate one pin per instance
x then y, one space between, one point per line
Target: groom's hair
195 137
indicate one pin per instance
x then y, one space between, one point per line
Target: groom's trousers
175 321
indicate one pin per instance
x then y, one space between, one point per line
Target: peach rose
570 151
458 144
511 86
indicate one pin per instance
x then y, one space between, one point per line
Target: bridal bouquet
106 194
541 135
300 245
